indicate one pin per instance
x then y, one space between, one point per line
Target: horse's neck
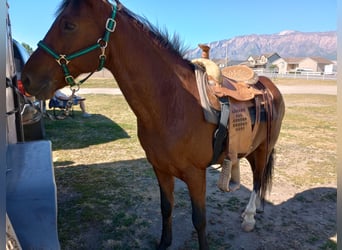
150 77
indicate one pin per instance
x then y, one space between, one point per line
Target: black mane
161 36
63 5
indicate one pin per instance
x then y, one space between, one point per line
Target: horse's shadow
79 132
130 190
305 221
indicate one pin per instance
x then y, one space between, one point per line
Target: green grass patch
308 139
111 82
299 81
100 83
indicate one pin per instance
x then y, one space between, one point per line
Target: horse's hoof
247 226
162 247
259 210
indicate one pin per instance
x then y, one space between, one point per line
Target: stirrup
234 183
223 182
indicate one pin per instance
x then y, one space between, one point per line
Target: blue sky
200 21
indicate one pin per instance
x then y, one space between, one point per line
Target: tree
28 48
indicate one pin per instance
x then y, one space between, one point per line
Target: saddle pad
240 127
210 114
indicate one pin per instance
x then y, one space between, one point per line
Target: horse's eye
68 26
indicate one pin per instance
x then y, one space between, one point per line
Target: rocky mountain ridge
287 44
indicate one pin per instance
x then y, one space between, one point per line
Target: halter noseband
102 43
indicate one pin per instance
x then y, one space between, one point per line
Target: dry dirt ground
294 217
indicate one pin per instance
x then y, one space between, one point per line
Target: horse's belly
178 151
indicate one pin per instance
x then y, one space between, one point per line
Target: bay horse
160 87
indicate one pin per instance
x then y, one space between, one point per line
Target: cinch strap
221 132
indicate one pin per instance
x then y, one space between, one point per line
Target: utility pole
226 54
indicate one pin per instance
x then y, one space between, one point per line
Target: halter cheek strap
63 60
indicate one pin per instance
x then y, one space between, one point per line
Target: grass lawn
111 83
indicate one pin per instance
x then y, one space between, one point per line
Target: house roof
296 60
293 60
267 55
321 60
254 57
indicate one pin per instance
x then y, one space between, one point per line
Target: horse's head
78 35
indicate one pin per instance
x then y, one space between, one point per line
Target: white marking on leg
249 213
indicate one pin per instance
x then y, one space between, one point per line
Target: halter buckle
110 24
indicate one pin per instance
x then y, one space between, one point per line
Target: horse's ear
119 5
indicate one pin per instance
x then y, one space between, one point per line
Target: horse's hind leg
262 174
249 213
166 186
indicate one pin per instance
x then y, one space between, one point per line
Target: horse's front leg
197 188
166 185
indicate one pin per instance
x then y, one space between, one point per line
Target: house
285 65
282 65
316 64
313 64
223 62
261 62
220 62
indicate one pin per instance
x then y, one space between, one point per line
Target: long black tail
266 182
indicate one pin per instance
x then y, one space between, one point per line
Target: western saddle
233 91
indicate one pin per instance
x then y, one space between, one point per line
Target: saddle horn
205 50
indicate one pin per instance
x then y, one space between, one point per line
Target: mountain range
287 44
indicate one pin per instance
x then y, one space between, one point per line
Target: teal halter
102 43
